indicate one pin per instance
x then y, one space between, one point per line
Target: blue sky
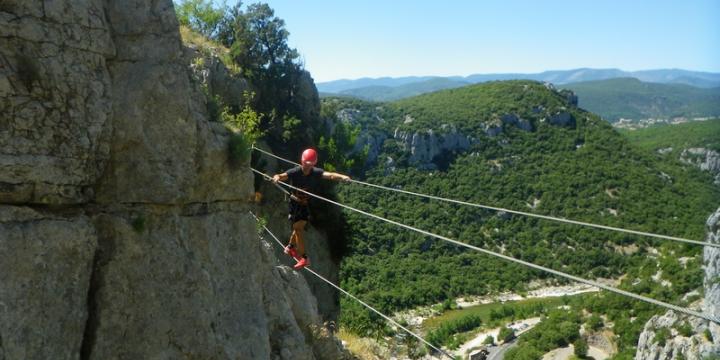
371 38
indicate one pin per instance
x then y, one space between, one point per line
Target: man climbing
306 177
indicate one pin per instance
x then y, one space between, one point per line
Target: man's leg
297 236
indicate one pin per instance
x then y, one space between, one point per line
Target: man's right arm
280 177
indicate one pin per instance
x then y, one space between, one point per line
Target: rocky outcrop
373 142
425 146
568 95
211 72
562 118
305 97
372 139
711 259
705 159
514 120
698 345
124 231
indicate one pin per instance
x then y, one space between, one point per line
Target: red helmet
309 156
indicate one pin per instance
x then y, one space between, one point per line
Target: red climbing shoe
290 250
302 263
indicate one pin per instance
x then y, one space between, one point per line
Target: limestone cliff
704 340
705 159
425 146
124 231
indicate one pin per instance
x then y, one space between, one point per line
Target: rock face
210 70
55 102
374 143
696 346
45 267
711 259
124 231
705 159
424 146
514 120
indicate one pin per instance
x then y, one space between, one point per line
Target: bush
246 131
200 15
594 322
661 336
524 353
138 223
239 149
443 335
685 329
489 340
506 334
581 347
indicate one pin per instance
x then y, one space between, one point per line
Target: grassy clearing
484 311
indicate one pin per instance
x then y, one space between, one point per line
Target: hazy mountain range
672 76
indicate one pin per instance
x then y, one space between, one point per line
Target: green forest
586 171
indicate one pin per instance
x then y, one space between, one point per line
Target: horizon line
511 73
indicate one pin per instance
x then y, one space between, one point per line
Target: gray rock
305 97
697 346
424 146
374 143
54 101
569 96
212 72
711 257
157 257
512 119
705 159
317 245
348 116
45 266
493 130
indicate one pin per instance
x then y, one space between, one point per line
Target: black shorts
298 212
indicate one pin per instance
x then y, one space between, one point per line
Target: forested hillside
548 157
704 134
631 98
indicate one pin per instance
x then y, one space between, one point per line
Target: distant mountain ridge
631 98
390 93
666 76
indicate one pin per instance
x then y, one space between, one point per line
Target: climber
306 177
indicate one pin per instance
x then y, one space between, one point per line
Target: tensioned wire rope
488 207
352 296
509 258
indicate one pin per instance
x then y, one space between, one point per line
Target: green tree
489 340
506 334
260 43
595 322
581 347
524 353
202 16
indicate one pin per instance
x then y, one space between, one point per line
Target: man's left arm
328 175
